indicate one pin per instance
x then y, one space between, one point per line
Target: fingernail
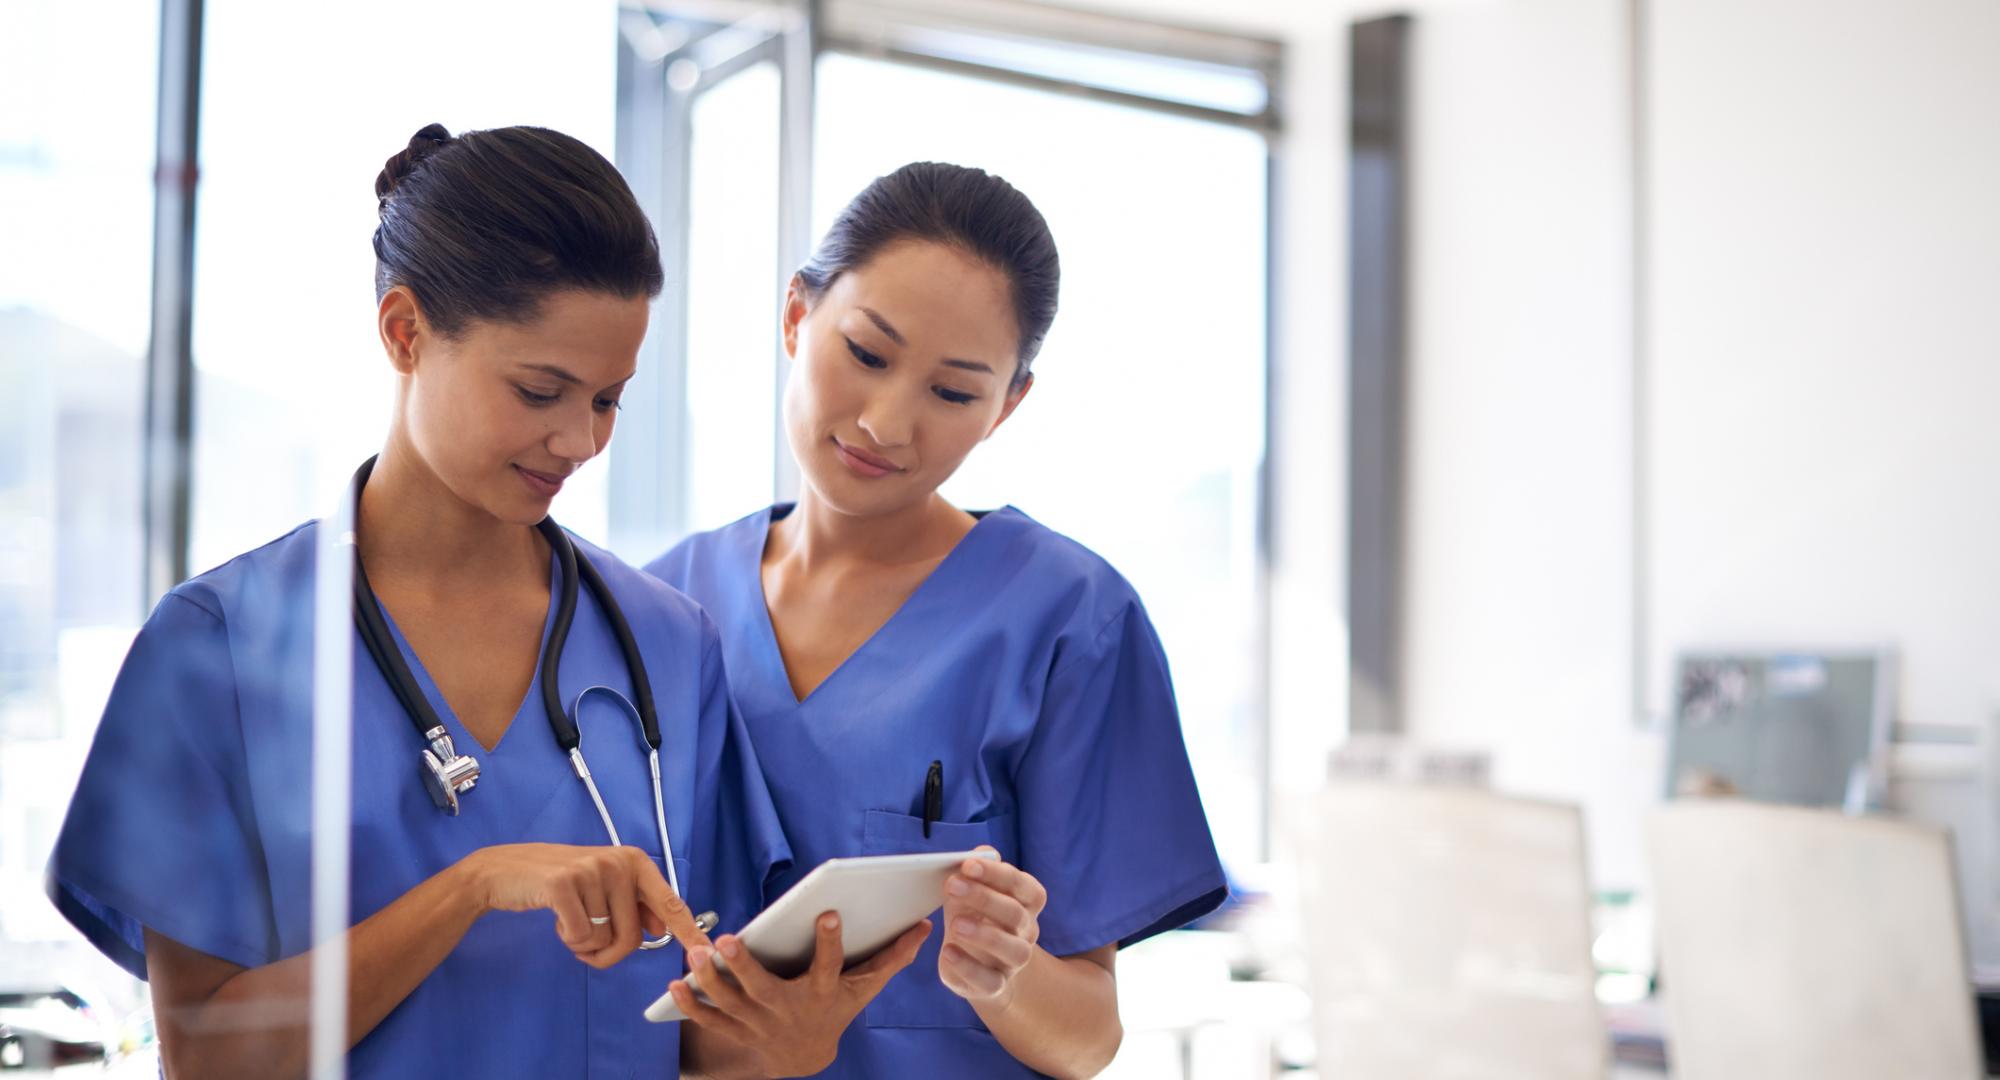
699 958
957 887
830 922
973 869
963 926
728 947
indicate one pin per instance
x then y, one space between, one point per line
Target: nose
886 420
573 436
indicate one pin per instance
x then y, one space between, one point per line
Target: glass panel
732 299
76 224
292 388
1144 435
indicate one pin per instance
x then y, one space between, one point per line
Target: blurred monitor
1805 728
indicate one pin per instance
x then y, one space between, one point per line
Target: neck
817 534
413 530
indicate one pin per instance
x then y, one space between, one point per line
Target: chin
843 491
519 509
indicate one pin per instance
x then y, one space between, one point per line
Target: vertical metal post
797 82
1266 554
168 453
648 485
1378 166
1642 549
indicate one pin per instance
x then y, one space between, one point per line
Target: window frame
648 483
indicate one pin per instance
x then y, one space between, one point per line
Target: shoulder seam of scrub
186 596
1076 551
1124 610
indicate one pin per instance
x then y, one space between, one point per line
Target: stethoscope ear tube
559 722
446 773
635 665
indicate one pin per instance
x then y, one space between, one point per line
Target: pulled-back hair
969 209
485 225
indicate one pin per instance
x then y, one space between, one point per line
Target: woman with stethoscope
514 270
915 677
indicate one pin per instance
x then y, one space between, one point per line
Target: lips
544 485
862 463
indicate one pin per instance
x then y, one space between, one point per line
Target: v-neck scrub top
1027 666
193 814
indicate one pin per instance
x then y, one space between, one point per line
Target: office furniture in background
1448 934
1801 944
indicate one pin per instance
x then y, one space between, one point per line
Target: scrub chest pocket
916 997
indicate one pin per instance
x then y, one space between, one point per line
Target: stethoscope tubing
563 723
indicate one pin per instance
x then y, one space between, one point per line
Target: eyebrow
882 324
551 369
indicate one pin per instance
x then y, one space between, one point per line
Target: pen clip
933 796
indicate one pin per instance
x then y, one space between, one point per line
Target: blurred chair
1449 936
1807 944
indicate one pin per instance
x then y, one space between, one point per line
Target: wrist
469 884
1001 1002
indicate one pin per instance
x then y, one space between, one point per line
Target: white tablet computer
878 897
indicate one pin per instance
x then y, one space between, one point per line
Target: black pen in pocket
933 796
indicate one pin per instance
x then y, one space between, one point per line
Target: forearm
1060 1016
256 1022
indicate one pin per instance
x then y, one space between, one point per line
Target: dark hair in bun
486 224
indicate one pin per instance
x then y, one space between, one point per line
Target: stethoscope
449 774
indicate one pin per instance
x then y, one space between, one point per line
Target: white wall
1826 378
1824 365
1823 410
1519 562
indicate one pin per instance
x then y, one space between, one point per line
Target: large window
743 126
1145 435
731 437
78 83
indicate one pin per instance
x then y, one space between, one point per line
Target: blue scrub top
193 815
1026 665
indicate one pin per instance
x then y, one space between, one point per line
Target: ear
400 322
1014 398
794 314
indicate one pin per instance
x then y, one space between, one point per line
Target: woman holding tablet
918 678
513 276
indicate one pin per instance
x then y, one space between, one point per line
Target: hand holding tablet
992 930
878 899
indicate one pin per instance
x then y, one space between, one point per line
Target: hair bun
428 141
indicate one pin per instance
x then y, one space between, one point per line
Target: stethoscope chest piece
447 773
